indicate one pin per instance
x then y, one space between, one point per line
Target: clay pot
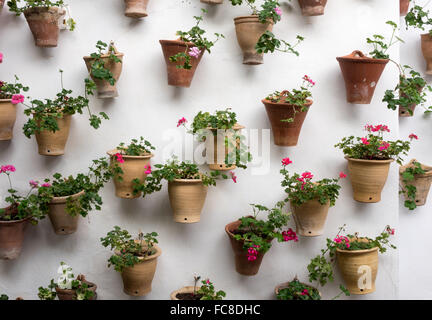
426 46
404 6
248 30
136 8
354 266
11 238
1 5
310 217
361 75
285 134
216 150
287 284
67 294
422 182
54 143
137 280
63 222
242 264
44 24
312 7
212 1
187 197
7 119
188 289
179 77
133 168
403 112
368 178
104 89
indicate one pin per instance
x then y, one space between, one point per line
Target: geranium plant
296 290
380 45
206 291
418 17
195 36
13 91
408 189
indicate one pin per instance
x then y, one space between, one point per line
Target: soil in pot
312 7
361 75
54 143
248 30
136 8
426 46
12 235
186 293
67 294
63 222
404 6
7 119
285 134
422 182
187 197
44 24
368 178
133 167
310 218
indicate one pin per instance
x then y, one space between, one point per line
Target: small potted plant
50 120
369 160
130 165
312 7
136 260
310 201
67 287
254 32
136 8
296 290
287 111
104 67
204 292
10 97
357 259
15 218
251 238
362 73
183 55
4 297
43 18
415 179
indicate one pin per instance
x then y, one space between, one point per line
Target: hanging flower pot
212 1
361 75
249 30
408 111
310 217
410 176
296 290
312 7
187 197
71 294
54 143
136 8
1 5
186 293
7 119
426 46
44 24
12 236
404 6
62 221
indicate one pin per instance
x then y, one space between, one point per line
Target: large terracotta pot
422 182
405 111
361 75
179 77
63 222
133 168
11 238
368 178
104 89
67 294
426 46
285 134
312 7
310 217
404 6
7 119
136 8
184 290
54 143
242 264
137 280
287 285
248 30
187 197
44 24
356 266
216 150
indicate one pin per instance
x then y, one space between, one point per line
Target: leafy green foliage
136 147
269 43
7 90
267 11
48 293
380 47
14 7
208 292
298 291
408 189
3 297
419 18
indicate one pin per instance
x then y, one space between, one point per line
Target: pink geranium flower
194 52
17 98
305 292
46 185
384 146
278 12
1 57
413 136
34 184
342 175
365 141
148 169
233 176
289 235
7 168
119 157
390 230
181 121
286 161
307 175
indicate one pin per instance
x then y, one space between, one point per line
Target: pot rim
424 35
118 54
57 200
357 251
187 180
252 16
231 235
186 289
153 256
176 42
7 100
235 127
361 59
16 221
286 285
308 104
42 8
369 161
427 168
112 152
72 291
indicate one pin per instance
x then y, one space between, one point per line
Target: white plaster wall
148 106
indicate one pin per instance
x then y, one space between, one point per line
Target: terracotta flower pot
63 222
422 182
7 119
187 197
134 167
426 46
242 264
287 285
404 6
361 75
359 269
368 178
310 218
179 77
248 30
67 294
216 150
312 7
44 24
137 280
104 89
136 8
184 290
54 143
1 5
285 134
11 238
403 112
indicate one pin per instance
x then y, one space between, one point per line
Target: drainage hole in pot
62 230
127 194
361 290
136 292
370 198
403 112
185 219
221 166
417 200
48 151
310 232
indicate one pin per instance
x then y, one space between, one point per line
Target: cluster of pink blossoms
305 292
181 122
289 235
17 98
286 161
390 230
342 175
308 79
384 146
377 128
305 178
342 239
148 169
413 136
119 157
1 57
233 176
252 252
278 11
7 168
35 184
194 52
365 141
